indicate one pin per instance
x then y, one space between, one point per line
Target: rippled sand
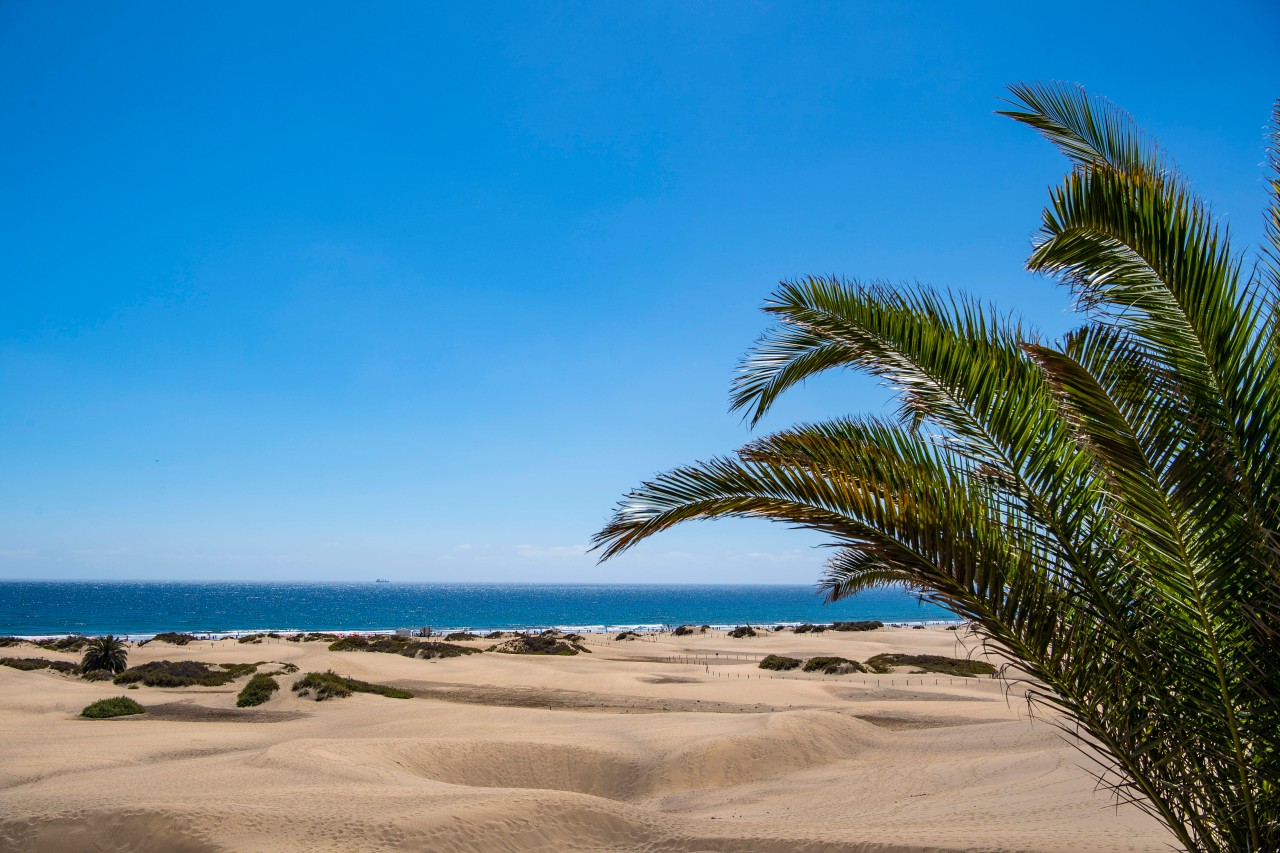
640 746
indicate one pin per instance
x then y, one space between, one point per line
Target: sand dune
635 747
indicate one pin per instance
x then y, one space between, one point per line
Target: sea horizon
141 608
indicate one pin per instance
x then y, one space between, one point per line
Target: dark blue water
30 608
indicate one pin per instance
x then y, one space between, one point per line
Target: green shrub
682 631
250 638
238 669
120 706
29 664
313 637
458 636
285 669
5 642
325 685
330 685
495 635
406 646
540 644
364 644
184 673
63 644
811 629
100 675
864 625
627 635
779 662
963 667
831 665
257 691
742 631
170 637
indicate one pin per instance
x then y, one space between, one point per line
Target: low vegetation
30 664
682 631
863 625
285 669
407 646
779 663
742 631
495 635
257 691
628 635
120 706
963 667
6 642
255 639
459 636
811 629
833 665
184 673
172 638
540 644
313 637
330 685
63 644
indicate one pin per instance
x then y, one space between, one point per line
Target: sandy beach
659 744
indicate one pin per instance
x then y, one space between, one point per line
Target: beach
661 743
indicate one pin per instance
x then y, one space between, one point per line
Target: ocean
141 609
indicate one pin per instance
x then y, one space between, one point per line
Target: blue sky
334 291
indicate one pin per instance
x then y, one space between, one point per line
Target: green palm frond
1089 131
106 654
1105 511
850 571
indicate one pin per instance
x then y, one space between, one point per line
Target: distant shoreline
361 582
438 632
56 608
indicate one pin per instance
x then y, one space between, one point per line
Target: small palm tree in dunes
105 654
1104 509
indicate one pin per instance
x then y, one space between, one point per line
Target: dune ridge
767 765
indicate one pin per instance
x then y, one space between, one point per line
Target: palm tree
1104 509
105 654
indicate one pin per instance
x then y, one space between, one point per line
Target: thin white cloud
104 552
789 556
553 551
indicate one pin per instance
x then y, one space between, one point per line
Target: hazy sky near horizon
418 291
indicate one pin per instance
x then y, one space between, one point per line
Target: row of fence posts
920 682
741 658
737 657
